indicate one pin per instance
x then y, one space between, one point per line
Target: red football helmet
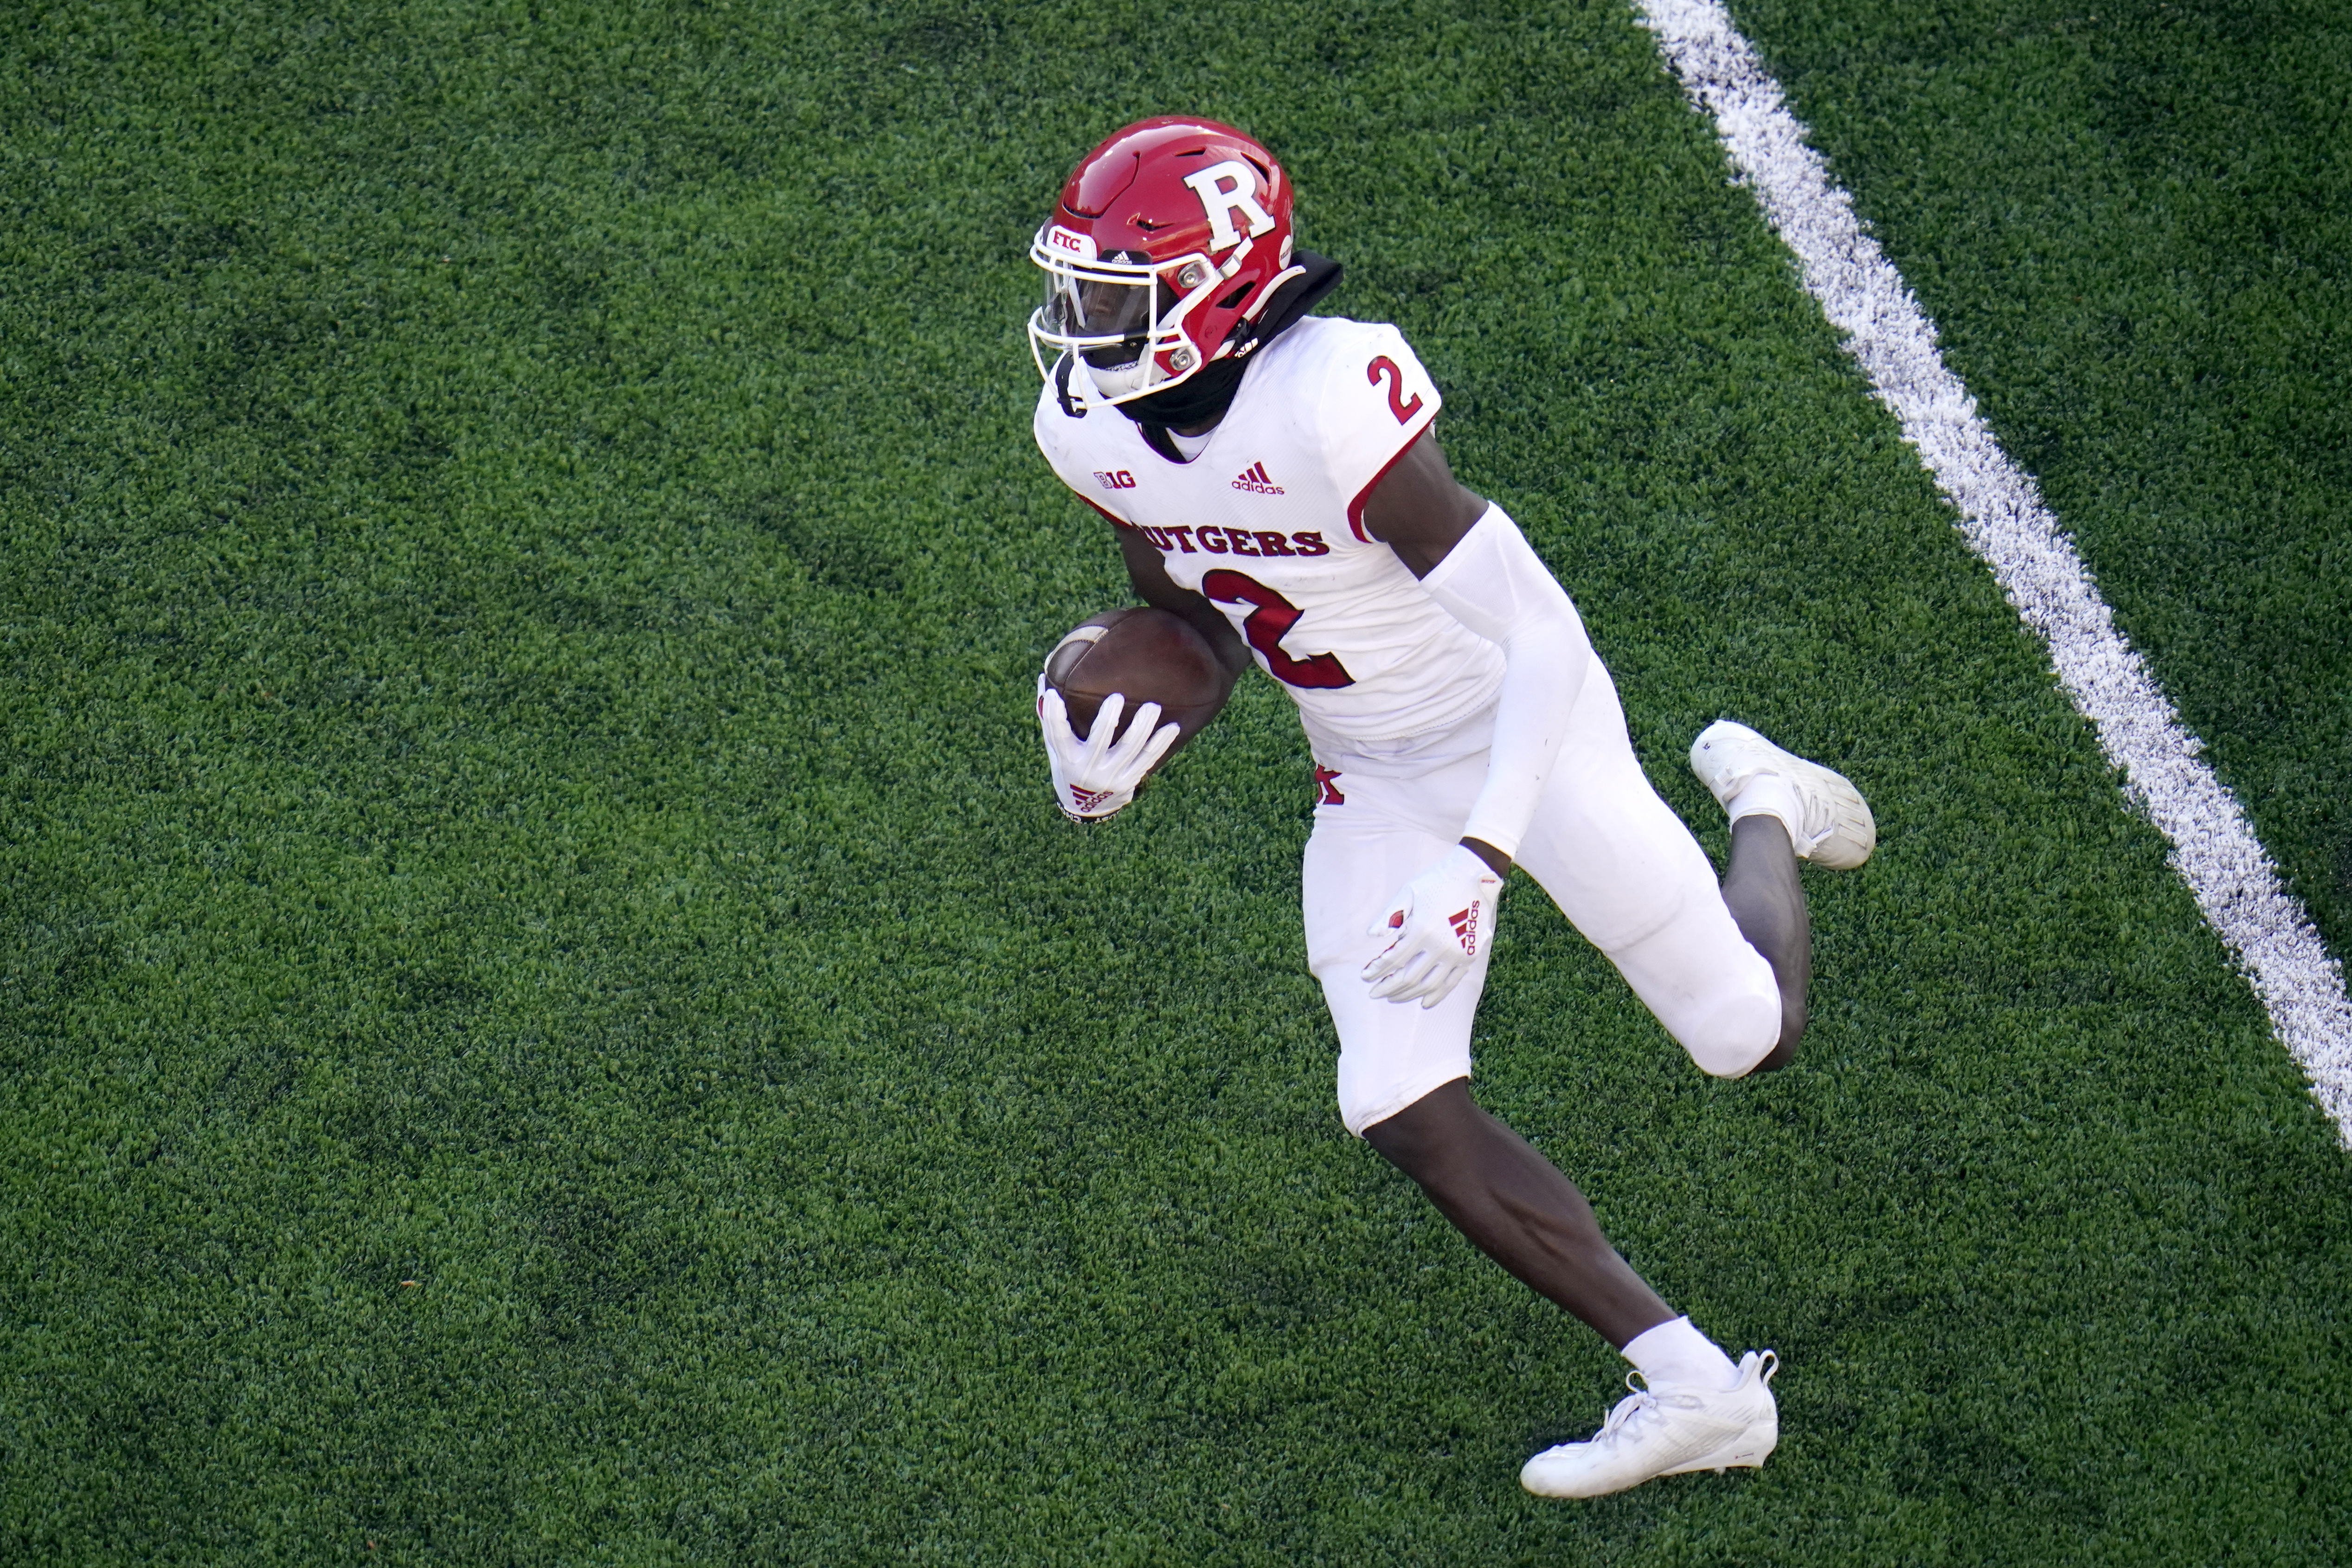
1167 242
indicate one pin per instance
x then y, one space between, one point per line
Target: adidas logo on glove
1466 929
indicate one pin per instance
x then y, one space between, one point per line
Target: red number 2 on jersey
1398 405
1266 626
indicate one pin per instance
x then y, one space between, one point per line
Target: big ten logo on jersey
1116 480
1237 541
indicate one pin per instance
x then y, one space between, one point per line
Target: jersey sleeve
1097 491
1376 402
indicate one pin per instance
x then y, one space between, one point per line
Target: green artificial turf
548 1016
2130 220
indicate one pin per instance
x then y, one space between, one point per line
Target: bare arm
1419 510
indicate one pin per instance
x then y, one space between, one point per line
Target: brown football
1151 656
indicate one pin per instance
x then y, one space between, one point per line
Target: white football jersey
1266 522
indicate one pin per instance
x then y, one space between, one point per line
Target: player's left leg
1404 1069
1404 1072
1518 1209
1724 968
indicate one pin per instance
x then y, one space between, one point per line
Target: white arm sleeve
1494 583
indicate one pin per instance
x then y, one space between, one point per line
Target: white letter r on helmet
1222 187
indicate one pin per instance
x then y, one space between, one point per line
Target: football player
1274 479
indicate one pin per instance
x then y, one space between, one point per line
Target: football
1151 656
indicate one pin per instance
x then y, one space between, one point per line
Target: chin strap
1070 407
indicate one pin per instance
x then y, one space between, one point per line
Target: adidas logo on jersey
1254 479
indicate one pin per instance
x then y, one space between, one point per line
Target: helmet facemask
1118 318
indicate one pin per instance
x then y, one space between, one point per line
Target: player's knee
1732 1062
1416 1138
1735 1036
1368 1098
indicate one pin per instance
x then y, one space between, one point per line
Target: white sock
1769 795
1675 1352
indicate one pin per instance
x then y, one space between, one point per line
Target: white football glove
1443 919
1096 777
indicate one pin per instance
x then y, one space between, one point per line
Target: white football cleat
1839 833
1667 1432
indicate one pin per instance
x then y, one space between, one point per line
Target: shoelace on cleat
1644 1399
1641 1400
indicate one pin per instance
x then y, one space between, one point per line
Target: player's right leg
1725 967
1766 902
1623 868
1783 808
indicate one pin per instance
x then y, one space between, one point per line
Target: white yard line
2002 515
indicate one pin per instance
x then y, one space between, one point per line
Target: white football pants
1618 862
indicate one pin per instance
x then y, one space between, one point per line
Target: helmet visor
1108 319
